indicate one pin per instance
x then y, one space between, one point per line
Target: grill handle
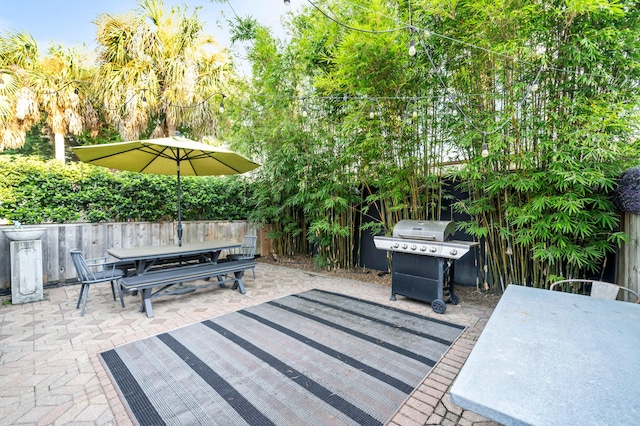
419 237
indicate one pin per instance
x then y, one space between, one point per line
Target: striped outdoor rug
311 358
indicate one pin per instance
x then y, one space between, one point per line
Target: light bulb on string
412 48
371 113
287 5
485 150
221 109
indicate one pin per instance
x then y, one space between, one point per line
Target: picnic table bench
163 282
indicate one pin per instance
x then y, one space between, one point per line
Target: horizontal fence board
93 239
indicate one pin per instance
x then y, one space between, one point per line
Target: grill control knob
413 247
433 249
453 252
423 248
395 245
404 246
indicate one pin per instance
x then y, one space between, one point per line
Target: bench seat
163 282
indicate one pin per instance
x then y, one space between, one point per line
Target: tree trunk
59 146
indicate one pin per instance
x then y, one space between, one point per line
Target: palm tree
159 71
18 104
29 86
62 84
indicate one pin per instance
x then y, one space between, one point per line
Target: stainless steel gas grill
422 258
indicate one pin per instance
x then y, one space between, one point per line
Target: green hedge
36 191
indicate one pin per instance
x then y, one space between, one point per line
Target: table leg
238 283
146 303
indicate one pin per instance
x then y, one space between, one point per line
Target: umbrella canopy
160 156
174 155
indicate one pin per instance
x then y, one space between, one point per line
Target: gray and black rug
311 358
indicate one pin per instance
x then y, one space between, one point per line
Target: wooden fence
95 238
628 273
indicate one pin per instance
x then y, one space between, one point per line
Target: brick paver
50 372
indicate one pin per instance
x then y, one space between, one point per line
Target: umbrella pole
179 212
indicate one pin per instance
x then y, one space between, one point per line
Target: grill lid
429 230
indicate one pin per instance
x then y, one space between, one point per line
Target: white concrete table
552 358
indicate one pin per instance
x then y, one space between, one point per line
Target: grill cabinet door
417 277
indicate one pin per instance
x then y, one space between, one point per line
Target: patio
51 373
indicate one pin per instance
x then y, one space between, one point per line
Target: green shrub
37 191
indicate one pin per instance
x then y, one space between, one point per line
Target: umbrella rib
185 157
112 155
213 156
158 153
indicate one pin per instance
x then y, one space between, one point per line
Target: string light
412 43
412 48
362 30
485 150
429 33
287 5
304 113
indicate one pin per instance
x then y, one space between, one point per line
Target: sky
70 22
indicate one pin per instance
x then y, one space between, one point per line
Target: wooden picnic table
168 280
144 258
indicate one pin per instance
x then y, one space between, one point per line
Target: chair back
248 248
603 290
84 273
597 289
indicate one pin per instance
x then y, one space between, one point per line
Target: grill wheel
438 306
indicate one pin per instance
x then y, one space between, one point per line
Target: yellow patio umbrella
173 155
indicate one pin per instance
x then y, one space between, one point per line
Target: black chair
95 271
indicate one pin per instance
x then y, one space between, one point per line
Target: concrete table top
547 357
